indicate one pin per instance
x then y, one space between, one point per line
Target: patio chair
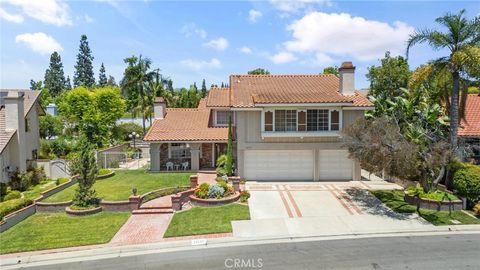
169 165
185 165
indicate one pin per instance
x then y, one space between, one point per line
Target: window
27 125
268 121
222 118
179 150
334 120
317 120
285 120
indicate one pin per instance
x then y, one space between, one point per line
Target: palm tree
462 39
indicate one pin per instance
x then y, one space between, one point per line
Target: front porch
185 156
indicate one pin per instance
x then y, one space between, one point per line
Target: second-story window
317 120
285 120
222 118
27 125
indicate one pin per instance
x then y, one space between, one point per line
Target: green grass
57 230
394 200
35 191
119 187
205 220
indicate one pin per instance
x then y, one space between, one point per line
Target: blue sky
192 40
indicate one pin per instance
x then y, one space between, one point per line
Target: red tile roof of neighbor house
470 124
29 98
186 124
218 97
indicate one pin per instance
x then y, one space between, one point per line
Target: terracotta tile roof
360 100
248 90
29 99
218 97
470 125
186 124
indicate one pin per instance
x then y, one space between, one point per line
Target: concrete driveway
326 208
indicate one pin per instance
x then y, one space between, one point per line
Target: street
455 251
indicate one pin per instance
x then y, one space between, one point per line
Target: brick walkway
141 229
165 201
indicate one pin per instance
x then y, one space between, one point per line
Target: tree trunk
454 122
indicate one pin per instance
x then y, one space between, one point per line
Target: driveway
326 208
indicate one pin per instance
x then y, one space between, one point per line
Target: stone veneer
206 157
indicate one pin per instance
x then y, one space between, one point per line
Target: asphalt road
419 252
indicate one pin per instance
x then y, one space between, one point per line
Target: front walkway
320 208
146 228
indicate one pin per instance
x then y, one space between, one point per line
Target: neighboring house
469 130
19 130
287 127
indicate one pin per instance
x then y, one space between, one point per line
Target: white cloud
10 17
192 29
201 64
87 18
39 42
47 11
245 50
283 57
340 34
253 15
219 44
292 6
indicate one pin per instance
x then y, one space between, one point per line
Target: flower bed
214 202
431 204
82 212
214 194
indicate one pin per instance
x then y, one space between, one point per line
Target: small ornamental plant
214 191
244 196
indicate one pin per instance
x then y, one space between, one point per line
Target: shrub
61 180
431 195
244 196
215 191
476 209
14 194
3 190
104 171
467 182
12 206
202 191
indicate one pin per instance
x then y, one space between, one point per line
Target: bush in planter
14 194
467 182
215 191
202 191
13 205
436 195
103 172
60 181
244 196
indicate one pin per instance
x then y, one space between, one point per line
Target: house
286 127
19 130
469 131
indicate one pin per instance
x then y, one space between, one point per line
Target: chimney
159 108
15 121
347 78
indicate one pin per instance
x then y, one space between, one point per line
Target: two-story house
287 127
19 130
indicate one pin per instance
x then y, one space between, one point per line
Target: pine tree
229 162
222 85
111 81
54 76
102 77
68 83
204 88
84 67
195 86
170 86
85 165
35 85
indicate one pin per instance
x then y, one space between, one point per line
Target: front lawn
394 200
205 220
119 187
58 230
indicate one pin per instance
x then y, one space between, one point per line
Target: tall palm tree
462 39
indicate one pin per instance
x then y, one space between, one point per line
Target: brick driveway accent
141 229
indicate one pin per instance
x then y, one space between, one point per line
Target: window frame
304 109
172 147
221 124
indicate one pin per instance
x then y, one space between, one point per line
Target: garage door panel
278 165
335 165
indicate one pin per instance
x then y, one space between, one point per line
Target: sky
194 40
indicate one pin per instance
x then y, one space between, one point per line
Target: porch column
195 156
155 156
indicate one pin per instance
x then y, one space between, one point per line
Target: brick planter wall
213 202
52 206
100 177
179 199
83 212
120 206
433 205
12 219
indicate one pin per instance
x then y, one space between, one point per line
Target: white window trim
297 133
223 125
170 150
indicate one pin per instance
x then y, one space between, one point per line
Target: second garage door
278 165
335 165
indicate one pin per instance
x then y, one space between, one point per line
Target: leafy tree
331 70
50 126
54 76
389 77
204 88
85 165
84 67
259 71
102 77
462 40
68 83
111 81
135 78
120 132
35 85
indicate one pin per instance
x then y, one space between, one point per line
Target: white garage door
278 165
335 165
